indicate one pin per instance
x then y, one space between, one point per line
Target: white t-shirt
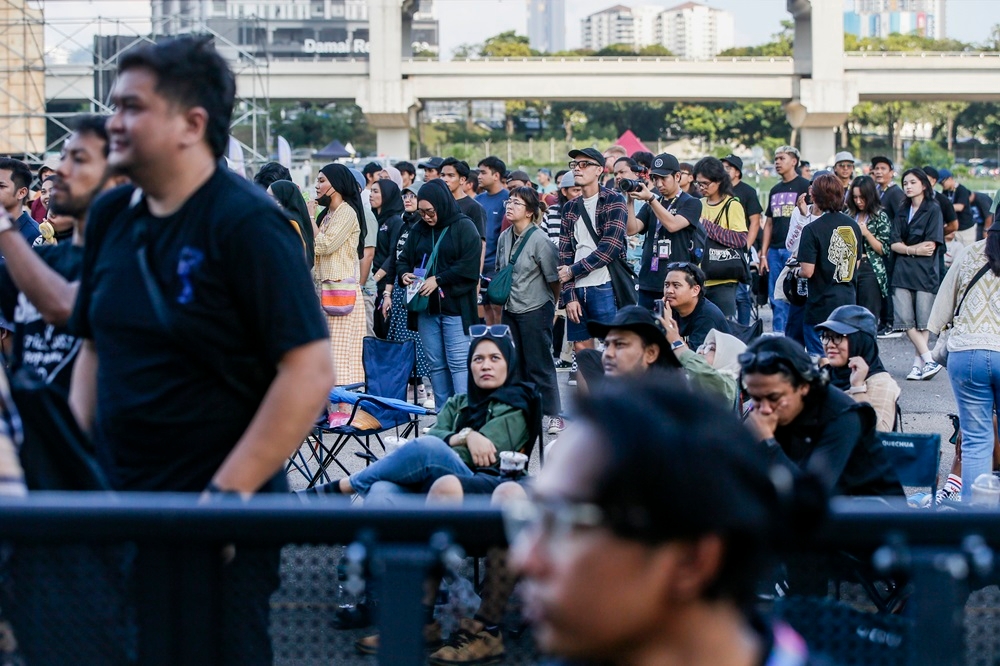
796 224
586 244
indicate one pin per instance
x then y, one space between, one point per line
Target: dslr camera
630 185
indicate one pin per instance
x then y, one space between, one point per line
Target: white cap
843 156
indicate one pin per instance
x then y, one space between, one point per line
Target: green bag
499 290
416 302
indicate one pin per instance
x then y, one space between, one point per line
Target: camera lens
629 185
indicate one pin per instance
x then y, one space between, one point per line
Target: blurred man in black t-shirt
961 199
892 198
748 198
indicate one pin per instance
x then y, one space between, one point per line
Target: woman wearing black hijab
387 204
471 431
289 197
451 287
848 338
338 247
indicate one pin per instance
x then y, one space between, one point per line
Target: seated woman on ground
808 425
848 337
471 431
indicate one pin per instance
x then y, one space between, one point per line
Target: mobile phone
658 308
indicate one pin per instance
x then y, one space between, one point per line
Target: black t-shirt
780 204
675 245
747 196
981 207
948 213
50 350
831 242
230 269
475 212
695 327
961 196
918 273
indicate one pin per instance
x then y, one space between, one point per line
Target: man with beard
38 286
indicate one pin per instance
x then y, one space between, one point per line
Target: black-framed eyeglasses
493 330
572 164
550 519
827 337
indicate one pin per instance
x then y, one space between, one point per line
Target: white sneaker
916 373
429 402
930 369
421 393
556 425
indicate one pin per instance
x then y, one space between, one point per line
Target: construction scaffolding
44 56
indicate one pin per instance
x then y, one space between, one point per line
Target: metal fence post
940 589
402 571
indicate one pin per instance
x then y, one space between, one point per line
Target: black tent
333 151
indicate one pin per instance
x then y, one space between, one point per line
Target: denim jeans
412 468
446 346
744 306
598 304
975 379
776 258
795 321
813 344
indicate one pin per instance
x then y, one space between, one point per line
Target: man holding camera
667 219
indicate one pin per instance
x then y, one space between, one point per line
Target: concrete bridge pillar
386 99
823 96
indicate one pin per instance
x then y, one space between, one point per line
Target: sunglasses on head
494 331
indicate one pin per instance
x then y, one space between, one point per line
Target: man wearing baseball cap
961 200
748 198
843 169
667 219
948 211
432 168
584 255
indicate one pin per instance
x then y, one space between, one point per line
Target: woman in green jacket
472 428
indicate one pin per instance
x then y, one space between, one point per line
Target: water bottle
802 286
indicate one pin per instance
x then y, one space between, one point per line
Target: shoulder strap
982 271
434 253
524 241
724 211
587 221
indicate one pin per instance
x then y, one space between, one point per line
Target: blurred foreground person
615 573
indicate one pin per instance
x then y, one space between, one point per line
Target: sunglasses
764 361
494 331
685 266
427 213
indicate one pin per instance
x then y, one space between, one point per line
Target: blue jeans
813 344
598 304
412 468
744 306
795 321
776 258
975 379
446 346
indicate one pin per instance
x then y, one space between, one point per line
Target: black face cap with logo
665 164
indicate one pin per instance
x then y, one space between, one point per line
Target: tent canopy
333 151
630 142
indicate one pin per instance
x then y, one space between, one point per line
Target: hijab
514 393
858 344
395 176
727 352
342 180
290 199
439 196
392 201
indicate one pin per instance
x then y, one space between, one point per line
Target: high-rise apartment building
691 30
880 18
547 25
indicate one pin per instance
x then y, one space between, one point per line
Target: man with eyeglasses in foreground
583 255
615 573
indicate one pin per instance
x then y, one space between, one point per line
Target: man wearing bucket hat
633 343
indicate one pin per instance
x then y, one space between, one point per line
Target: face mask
324 201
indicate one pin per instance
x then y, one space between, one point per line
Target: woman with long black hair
724 222
917 237
972 287
338 247
865 207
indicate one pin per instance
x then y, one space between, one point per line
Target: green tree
507 45
927 152
779 46
306 126
655 50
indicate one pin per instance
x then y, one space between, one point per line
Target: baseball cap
547 172
882 159
849 319
843 156
567 180
734 162
944 174
638 320
932 172
589 153
821 172
432 163
412 189
664 164
518 175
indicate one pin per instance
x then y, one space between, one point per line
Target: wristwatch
463 436
676 344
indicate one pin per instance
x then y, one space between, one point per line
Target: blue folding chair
916 457
377 405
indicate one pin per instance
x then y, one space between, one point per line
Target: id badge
663 249
654 264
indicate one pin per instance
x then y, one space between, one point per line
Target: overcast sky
465 21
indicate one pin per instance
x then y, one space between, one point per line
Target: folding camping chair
365 410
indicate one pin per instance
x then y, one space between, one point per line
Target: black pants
869 293
886 314
532 333
724 296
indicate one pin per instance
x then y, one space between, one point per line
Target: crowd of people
154 291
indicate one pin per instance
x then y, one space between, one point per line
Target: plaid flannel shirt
609 223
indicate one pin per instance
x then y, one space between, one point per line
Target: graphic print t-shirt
780 204
830 242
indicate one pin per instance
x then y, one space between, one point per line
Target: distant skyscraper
547 25
880 18
690 30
